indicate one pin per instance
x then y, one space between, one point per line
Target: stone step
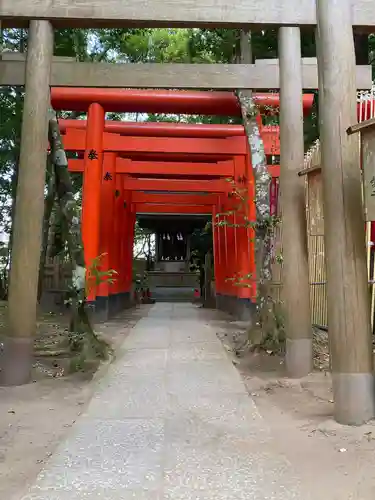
172 294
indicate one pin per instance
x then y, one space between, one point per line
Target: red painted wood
218 249
161 101
108 187
123 236
175 199
173 169
125 166
208 186
117 231
148 208
270 134
127 250
73 138
93 146
230 241
244 258
274 170
160 129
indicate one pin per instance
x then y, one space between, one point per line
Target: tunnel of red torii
160 168
163 168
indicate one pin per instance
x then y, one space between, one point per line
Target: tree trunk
265 325
48 206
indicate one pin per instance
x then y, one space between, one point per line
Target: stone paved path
170 420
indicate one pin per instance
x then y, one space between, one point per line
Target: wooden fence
315 236
57 275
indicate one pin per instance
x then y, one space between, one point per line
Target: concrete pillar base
353 394
299 357
245 309
16 358
104 308
241 309
118 302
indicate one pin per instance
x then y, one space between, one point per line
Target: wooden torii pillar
347 287
27 230
296 288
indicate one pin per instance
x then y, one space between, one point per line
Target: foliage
86 352
96 276
144 244
201 243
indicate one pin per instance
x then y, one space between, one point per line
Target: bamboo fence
315 229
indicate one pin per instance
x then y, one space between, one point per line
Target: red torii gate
165 204
160 131
74 140
214 153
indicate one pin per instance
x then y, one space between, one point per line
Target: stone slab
196 351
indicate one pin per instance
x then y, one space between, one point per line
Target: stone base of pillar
209 303
114 305
241 309
105 308
299 357
219 300
245 309
16 359
118 302
354 397
101 308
